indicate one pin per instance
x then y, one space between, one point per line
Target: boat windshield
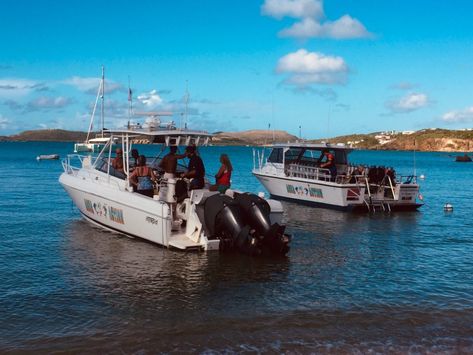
313 157
276 156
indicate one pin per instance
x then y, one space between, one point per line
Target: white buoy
448 207
422 177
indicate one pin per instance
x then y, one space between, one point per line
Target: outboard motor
223 220
256 213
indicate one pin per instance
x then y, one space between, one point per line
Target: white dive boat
174 217
292 171
94 145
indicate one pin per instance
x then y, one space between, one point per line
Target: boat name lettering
116 215
151 220
304 191
96 208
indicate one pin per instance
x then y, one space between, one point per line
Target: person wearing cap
195 169
117 162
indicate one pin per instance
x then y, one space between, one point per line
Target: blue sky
332 67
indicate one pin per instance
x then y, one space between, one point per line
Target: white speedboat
292 171
174 217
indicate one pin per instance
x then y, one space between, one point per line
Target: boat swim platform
182 242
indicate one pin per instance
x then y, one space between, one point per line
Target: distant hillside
52 135
434 140
253 137
440 140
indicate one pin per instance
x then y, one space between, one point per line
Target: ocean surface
352 283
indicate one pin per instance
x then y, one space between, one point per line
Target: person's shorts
222 188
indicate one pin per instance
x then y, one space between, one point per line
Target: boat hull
116 210
327 194
344 197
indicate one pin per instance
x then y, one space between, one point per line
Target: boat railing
406 179
73 162
308 172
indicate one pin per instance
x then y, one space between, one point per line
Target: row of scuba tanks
377 174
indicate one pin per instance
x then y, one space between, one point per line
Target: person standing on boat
117 162
329 164
195 169
143 178
135 155
223 175
169 162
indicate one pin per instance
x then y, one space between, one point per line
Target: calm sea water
351 283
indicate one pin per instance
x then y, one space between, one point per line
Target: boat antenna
300 132
328 120
130 102
91 123
187 103
415 173
272 111
102 111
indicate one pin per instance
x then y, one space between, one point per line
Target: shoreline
261 146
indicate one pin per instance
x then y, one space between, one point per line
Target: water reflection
167 279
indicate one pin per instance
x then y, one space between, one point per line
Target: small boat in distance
298 172
48 157
465 158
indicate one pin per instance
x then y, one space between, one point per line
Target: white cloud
45 103
312 22
151 99
293 8
14 88
410 102
4 122
305 68
344 28
465 115
91 85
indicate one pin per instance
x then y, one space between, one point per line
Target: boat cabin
304 160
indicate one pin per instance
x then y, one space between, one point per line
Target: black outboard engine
243 223
223 220
256 213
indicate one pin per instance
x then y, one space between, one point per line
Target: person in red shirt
329 164
223 176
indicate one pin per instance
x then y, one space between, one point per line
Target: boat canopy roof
173 136
313 146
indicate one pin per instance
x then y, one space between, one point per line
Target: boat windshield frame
162 137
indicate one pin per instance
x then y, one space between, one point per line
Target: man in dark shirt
195 169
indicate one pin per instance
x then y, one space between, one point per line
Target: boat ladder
379 205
